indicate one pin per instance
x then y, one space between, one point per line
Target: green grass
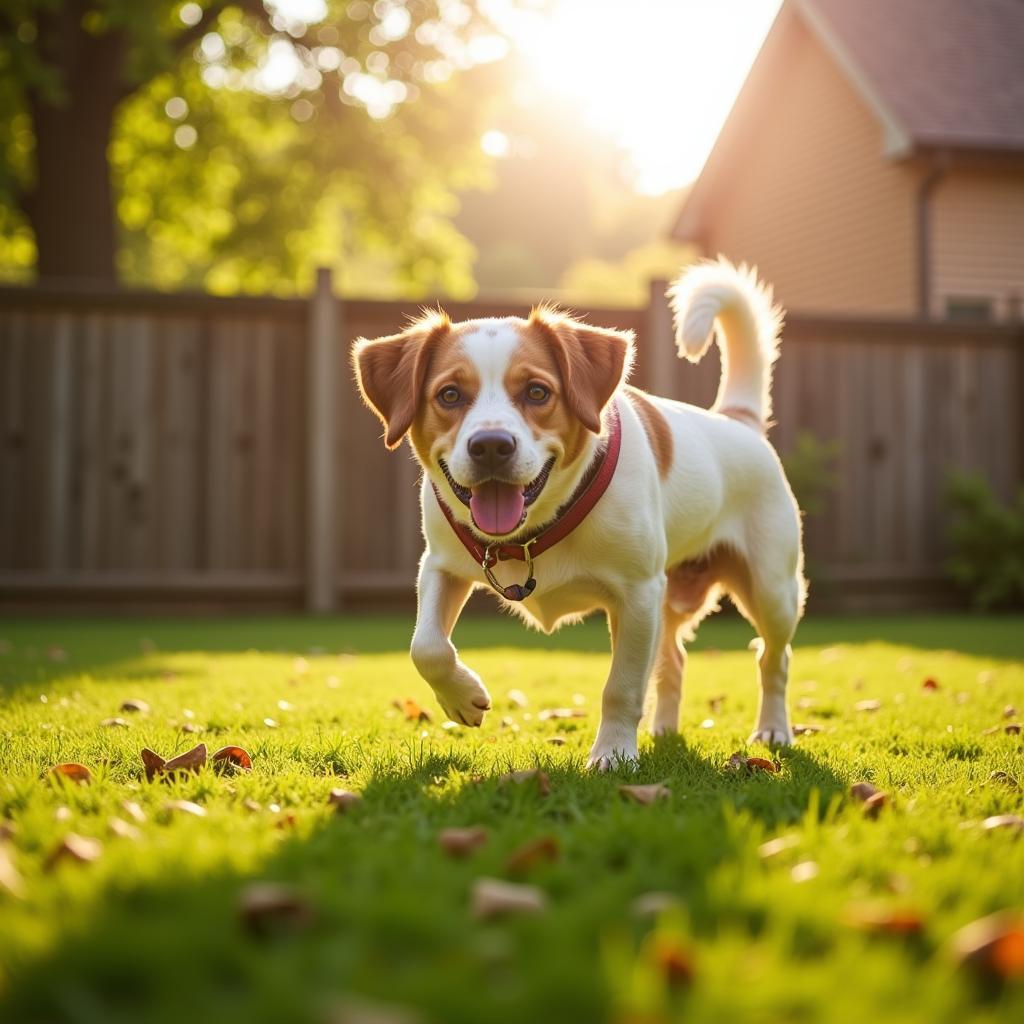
150 931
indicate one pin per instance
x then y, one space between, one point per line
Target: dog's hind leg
669 668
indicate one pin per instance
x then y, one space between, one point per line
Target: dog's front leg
441 598
635 622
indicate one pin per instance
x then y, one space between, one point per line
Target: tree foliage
246 147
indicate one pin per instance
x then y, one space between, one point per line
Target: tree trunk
71 209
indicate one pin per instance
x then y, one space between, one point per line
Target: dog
552 481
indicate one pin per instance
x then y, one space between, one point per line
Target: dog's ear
593 361
390 372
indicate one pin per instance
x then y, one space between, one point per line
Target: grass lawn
150 931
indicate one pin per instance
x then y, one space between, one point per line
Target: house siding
812 202
978 239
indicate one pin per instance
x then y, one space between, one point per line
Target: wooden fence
161 449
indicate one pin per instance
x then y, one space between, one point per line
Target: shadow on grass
393 921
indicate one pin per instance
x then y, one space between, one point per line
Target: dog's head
499 412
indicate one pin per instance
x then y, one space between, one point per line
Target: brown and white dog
518 424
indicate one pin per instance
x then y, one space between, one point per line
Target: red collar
595 482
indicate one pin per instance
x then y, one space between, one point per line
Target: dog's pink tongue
497 507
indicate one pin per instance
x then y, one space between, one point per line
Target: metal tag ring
514 591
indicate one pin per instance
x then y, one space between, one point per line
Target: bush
988 542
810 470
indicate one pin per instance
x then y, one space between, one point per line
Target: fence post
321 383
661 362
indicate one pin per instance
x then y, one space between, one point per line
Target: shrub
988 542
810 469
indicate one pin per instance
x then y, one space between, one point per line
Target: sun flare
657 76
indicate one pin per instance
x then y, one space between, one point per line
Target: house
873 163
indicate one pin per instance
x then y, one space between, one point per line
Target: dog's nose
491 449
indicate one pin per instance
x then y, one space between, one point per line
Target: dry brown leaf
1005 778
871 797
10 878
761 764
137 706
1000 821
495 898
77 848
930 684
185 807
648 794
867 705
152 762
539 851
548 713
344 800
461 842
123 830
286 822
412 711
252 805
672 960
71 772
265 906
993 946
528 775
715 703
115 723
804 729
190 727
1012 729
232 758
737 762
880 921
191 761
556 741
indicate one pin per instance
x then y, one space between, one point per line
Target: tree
225 143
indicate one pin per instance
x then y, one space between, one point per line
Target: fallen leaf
737 762
265 906
412 711
115 723
137 706
648 794
761 764
517 698
461 842
191 761
252 805
185 807
805 730
867 705
1012 729
77 848
528 775
548 713
270 723
863 790
651 904
930 684
288 821
884 922
539 851
133 810
123 830
10 878
1005 778
232 758
343 800
190 727
72 772
999 821
492 897
151 761
715 703
556 741
672 960
871 797
510 724
993 946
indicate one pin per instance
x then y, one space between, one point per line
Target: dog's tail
749 323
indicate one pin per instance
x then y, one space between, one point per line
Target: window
968 310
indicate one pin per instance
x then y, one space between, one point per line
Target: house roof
938 74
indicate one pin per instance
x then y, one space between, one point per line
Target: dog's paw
610 756
774 736
465 703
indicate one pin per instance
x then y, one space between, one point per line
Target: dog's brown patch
743 415
659 434
690 583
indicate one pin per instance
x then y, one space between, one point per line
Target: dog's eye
449 396
538 393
